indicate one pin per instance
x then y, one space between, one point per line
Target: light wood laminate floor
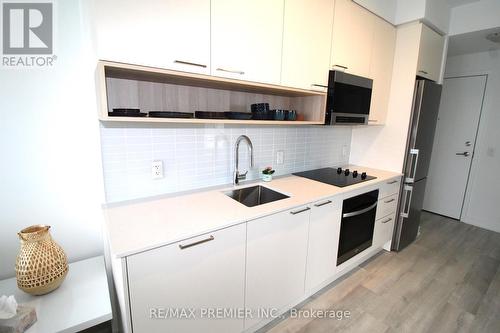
448 280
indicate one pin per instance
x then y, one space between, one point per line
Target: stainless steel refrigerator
421 130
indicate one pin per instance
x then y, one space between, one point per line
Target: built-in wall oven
348 99
358 222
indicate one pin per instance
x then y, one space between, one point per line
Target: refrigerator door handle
411 179
407 199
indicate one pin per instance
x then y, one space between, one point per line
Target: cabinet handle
372 120
230 71
340 66
299 211
388 220
359 212
423 72
211 238
323 203
389 201
319 85
189 63
392 182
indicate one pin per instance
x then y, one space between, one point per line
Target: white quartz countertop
144 224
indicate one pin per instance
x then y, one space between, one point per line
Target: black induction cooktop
337 177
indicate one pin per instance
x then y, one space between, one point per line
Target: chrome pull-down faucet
237 176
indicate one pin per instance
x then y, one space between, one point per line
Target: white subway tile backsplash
201 156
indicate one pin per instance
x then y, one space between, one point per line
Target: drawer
383 230
389 187
387 205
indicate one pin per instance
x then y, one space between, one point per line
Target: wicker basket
41 265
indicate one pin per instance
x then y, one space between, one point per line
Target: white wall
384 147
437 15
483 191
407 11
50 172
481 15
383 8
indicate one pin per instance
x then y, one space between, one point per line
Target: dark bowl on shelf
170 114
123 112
238 115
279 114
262 115
209 115
259 107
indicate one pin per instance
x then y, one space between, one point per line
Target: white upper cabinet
352 38
430 54
307 38
207 271
276 261
159 33
382 59
247 39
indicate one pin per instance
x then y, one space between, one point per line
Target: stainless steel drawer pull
323 203
423 72
388 220
189 63
359 212
392 182
389 201
319 85
340 66
211 238
230 71
299 211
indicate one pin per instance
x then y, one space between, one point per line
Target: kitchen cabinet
352 38
381 64
324 233
247 39
203 272
383 230
173 36
276 261
430 54
307 38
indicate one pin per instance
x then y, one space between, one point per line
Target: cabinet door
384 44
160 33
324 233
276 261
352 38
383 230
209 274
430 54
307 39
247 39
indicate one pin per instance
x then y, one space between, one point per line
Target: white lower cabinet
276 262
209 274
324 232
384 228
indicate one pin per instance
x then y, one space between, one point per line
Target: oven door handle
359 212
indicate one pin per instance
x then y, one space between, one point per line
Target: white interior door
454 142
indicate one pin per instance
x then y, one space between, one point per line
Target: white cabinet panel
276 261
383 230
389 187
382 59
159 33
210 274
247 39
352 37
324 233
307 38
387 205
430 54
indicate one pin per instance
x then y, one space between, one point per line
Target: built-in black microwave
348 100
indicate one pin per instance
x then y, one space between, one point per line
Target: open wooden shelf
131 86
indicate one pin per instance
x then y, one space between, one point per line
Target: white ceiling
472 42
455 3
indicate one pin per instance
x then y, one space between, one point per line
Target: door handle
465 153
230 71
189 63
359 212
323 203
389 201
388 220
211 238
299 211
319 85
414 152
408 193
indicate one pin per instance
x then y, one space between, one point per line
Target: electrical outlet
157 170
280 157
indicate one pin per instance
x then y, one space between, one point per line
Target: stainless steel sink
255 195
